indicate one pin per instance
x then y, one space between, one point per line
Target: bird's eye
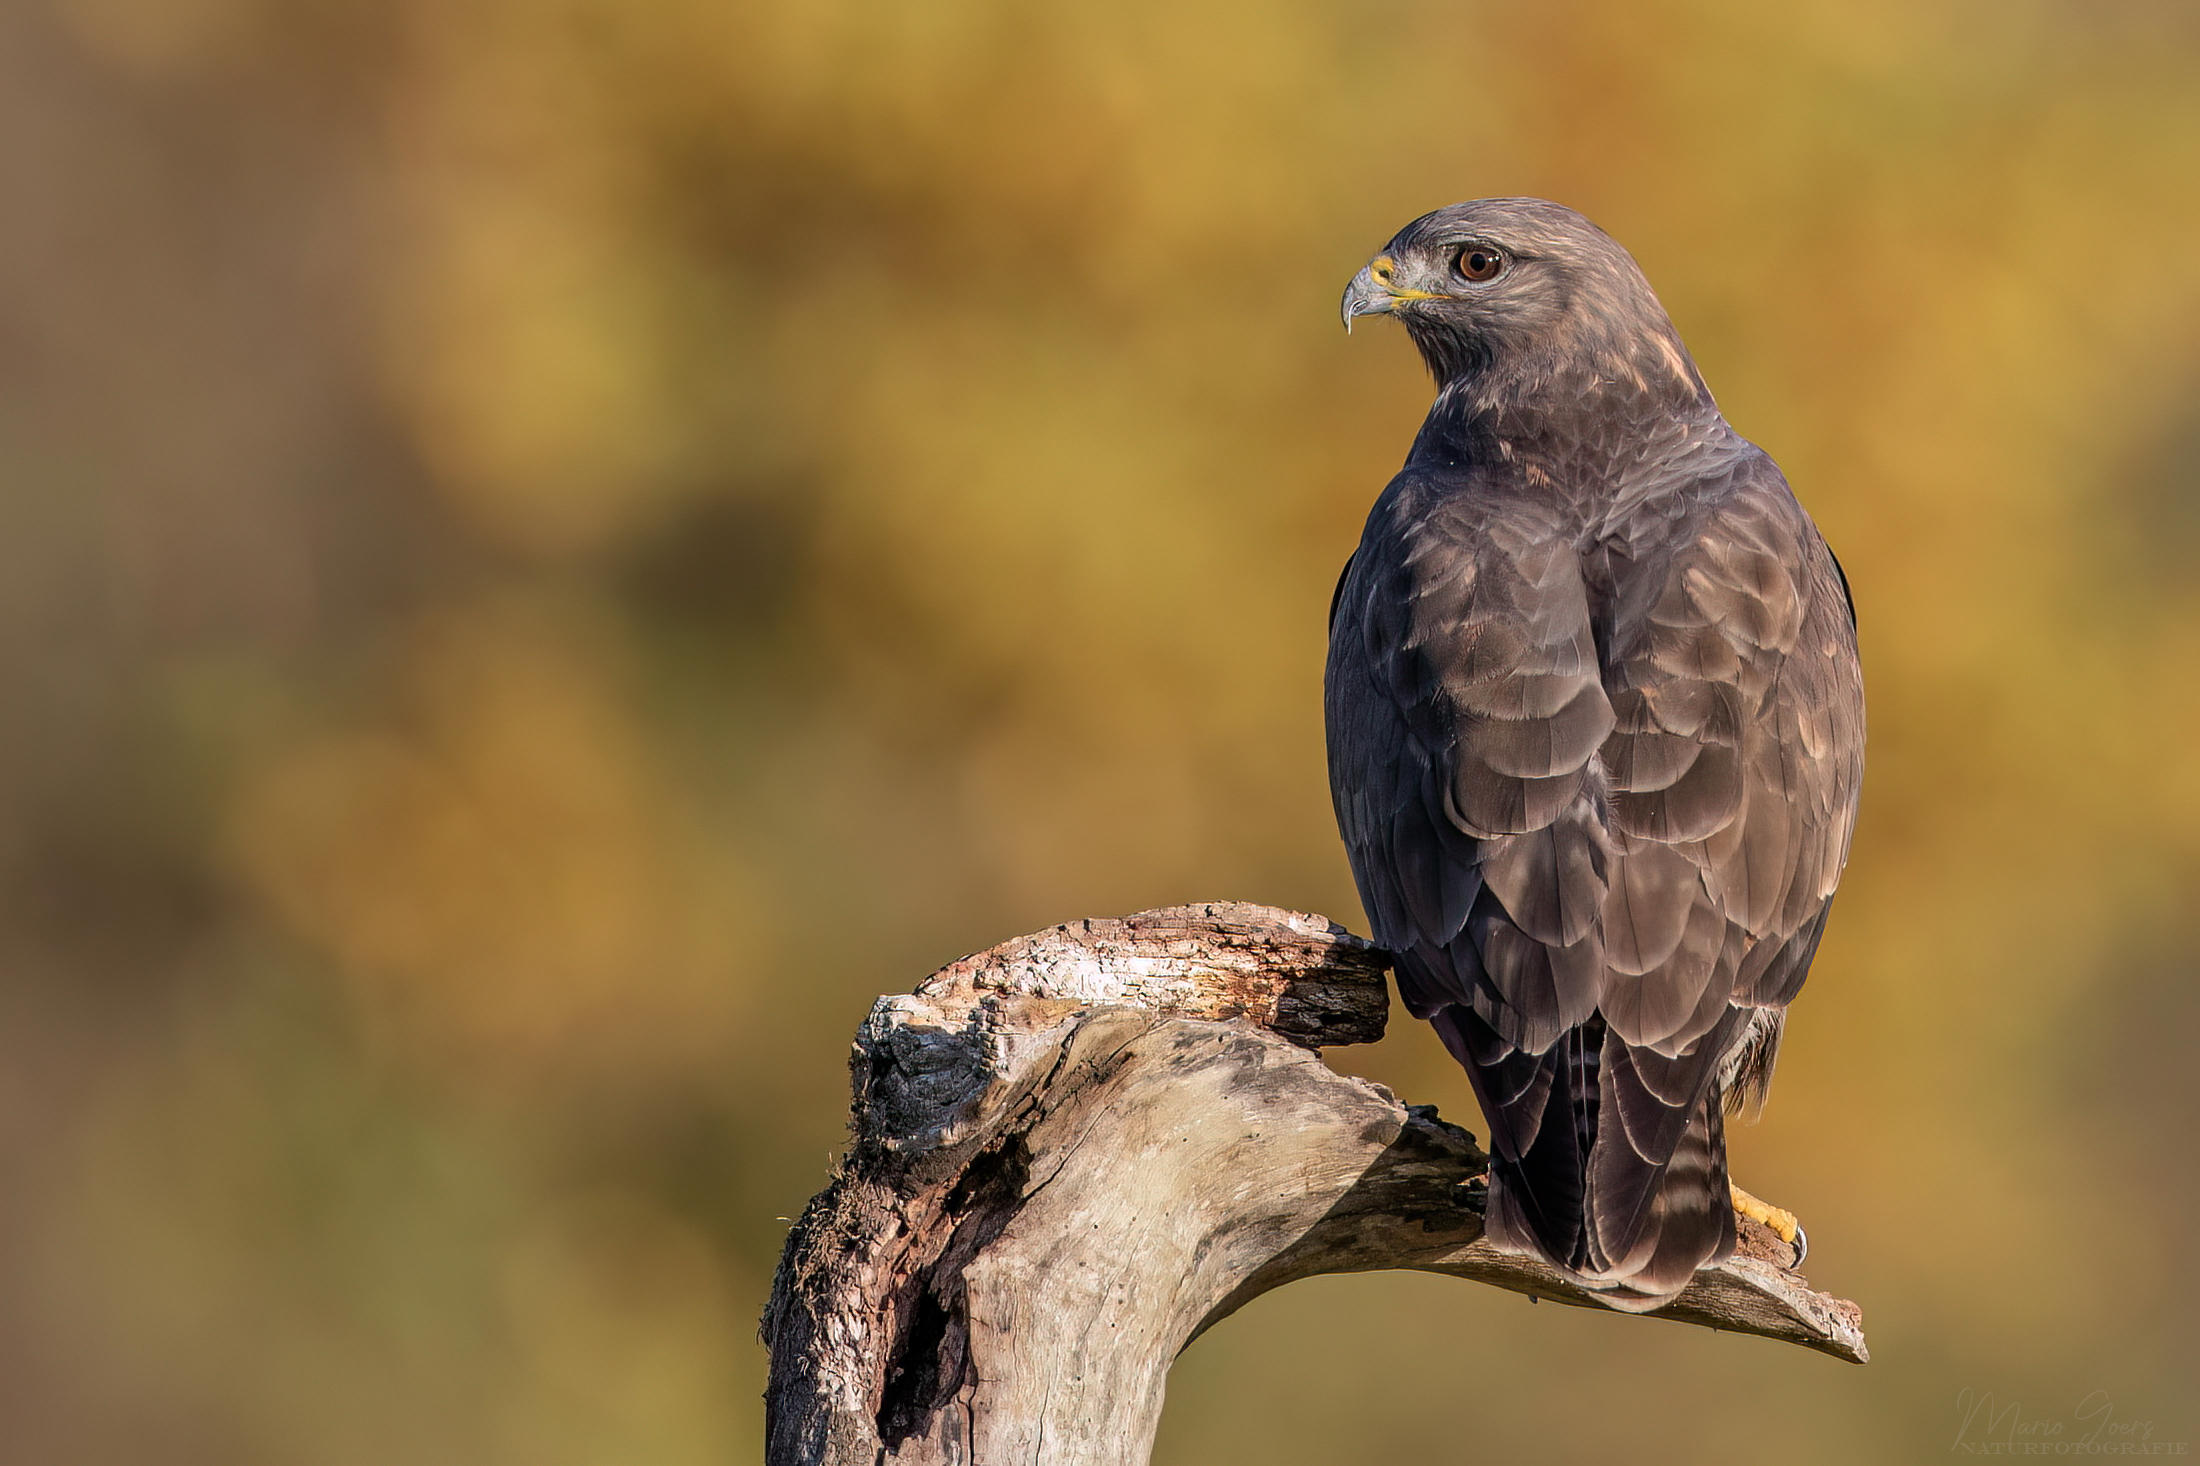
1478 262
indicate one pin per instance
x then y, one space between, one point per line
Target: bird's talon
1783 1223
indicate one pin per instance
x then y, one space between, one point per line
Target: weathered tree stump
1073 1154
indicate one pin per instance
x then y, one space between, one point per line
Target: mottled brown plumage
1596 732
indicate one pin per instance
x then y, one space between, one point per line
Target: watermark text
1986 1426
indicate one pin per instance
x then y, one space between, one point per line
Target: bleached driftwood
1073 1154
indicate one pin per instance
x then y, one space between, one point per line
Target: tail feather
1605 1161
1541 1110
1689 1223
1655 1101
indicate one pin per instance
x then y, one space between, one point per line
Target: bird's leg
1783 1223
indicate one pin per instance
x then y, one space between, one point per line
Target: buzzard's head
1521 289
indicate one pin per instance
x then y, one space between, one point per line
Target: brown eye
1478 262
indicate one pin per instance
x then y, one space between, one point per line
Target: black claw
1802 1247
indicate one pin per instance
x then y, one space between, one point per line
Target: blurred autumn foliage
552 549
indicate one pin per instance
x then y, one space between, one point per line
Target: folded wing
1597 796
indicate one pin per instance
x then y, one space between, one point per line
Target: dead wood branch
1076 1152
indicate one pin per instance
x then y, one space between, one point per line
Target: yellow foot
1783 1223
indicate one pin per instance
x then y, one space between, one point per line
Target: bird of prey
1596 734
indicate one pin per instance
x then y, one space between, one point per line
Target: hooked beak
1372 292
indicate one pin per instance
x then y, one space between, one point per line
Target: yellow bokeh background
554 549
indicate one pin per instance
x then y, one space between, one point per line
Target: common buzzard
1596 732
